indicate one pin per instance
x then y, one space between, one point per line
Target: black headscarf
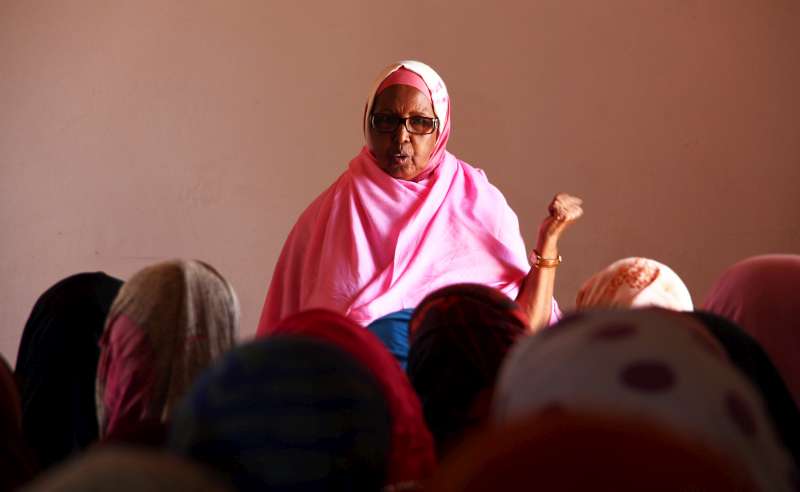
17 465
57 363
751 359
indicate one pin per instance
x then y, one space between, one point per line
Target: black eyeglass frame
404 121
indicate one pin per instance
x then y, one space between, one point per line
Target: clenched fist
564 210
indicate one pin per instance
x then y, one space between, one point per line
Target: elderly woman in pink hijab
407 217
762 295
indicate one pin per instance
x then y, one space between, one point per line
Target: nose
401 134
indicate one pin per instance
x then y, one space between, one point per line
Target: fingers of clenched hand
565 207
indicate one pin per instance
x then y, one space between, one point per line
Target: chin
402 172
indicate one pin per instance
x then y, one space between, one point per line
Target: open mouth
400 159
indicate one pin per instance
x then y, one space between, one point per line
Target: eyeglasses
417 125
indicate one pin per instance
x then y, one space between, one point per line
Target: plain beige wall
132 132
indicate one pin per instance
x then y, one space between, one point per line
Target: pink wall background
132 132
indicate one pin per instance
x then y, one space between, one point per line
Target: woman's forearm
536 294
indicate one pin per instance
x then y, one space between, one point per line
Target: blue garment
392 329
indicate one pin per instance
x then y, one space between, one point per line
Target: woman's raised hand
564 210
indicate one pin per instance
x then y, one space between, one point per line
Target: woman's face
401 154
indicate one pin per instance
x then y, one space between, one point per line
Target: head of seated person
57 364
413 456
752 360
459 337
761 295
167 324
17 464
634 283
649 363
561 449
124 469
288 412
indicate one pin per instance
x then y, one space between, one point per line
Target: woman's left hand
564 210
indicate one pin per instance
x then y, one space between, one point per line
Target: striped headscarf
288 413
412 457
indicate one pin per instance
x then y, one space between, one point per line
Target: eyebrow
410 113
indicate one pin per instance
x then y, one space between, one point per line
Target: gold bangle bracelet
537 261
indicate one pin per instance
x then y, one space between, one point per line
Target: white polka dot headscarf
651 364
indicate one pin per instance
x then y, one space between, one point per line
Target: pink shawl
761 295
371 244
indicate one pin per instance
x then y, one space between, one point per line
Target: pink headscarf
761 295
371 244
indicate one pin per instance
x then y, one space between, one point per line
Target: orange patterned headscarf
635 282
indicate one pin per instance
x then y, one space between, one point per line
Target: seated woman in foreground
407 217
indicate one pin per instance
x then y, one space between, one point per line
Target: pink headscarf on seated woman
761 294
426 80
168 323
372 244
632 283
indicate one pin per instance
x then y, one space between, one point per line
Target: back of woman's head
57 364
649 363
567 450
752 361
128 469
761 295
168 323
17 464
412 456
459 337
288 413
634 283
